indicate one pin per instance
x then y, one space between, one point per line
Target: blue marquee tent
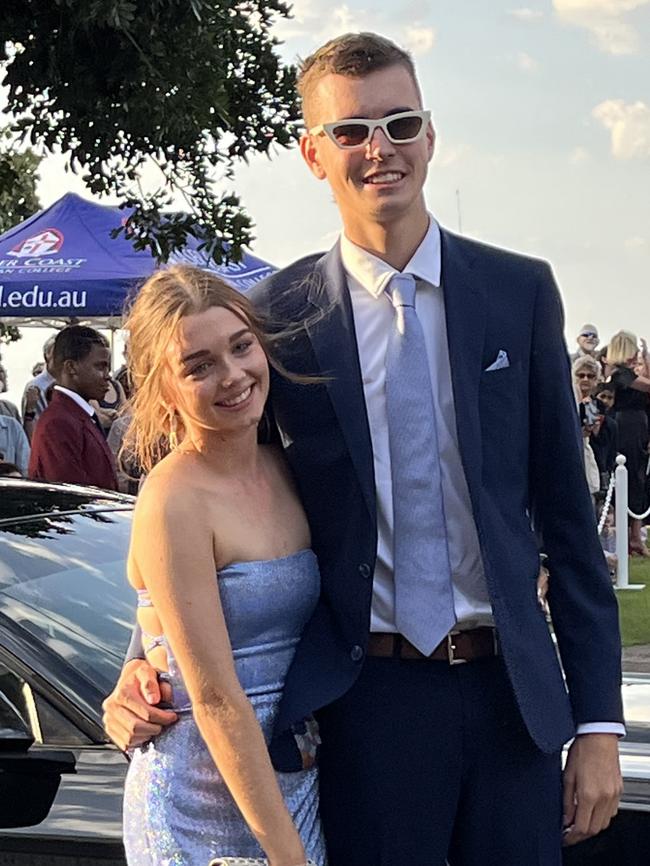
62 263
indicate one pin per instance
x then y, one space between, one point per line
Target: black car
66 614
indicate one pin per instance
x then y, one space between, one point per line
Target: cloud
635 243
579 155
318 21
345 20
447 155
526 14
606 21
526 63
629 125
419 40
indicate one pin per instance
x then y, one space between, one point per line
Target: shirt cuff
601 728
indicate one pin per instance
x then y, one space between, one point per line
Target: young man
420 462
68 443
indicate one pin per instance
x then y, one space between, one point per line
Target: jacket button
364 570
356 654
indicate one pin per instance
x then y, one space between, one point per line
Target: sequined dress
177 808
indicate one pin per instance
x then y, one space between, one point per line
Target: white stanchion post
622 555
622 568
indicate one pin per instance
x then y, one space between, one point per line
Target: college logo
44 243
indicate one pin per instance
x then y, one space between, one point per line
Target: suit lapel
465 311
334 343
67 405
97 433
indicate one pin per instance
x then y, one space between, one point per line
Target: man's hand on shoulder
592 786
131 716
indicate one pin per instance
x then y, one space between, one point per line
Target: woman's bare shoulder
172 486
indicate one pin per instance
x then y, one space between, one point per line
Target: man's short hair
75 343
588 329
353 55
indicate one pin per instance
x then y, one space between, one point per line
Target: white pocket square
502 361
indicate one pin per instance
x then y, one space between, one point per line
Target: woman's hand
131 716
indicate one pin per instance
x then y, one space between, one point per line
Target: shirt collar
374 274
85 405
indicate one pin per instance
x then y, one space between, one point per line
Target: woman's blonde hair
152 321
622 347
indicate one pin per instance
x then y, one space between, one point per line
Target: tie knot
401 290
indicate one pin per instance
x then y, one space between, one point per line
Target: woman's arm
172 555
625 377
641 384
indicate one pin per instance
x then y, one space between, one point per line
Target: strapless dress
177 808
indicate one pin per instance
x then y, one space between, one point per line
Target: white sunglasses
353 133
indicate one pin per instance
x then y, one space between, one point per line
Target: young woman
220 557
630 408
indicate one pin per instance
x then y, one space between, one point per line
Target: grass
634 605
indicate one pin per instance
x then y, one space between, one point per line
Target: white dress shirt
368 277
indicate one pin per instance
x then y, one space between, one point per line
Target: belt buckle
451 649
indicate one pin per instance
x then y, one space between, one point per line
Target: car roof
20 499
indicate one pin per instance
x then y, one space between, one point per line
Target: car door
84 822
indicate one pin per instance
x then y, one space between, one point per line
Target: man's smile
384 178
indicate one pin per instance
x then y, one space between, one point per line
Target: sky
542 113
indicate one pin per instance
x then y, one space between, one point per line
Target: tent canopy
63 264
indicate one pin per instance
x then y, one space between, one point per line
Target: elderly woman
586 375
586 372
630 408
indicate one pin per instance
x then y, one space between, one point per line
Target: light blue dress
177 808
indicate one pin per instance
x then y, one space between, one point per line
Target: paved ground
636 659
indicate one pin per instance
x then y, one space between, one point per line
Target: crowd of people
72 417
612 386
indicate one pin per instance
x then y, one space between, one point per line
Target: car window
13 722
63 580
28 712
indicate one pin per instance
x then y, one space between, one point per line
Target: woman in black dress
630 405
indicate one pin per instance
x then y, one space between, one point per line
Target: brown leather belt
458 647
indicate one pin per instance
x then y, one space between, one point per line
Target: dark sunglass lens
405 127
350 134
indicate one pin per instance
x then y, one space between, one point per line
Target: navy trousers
423 763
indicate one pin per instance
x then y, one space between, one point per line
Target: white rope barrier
621 511
639 516
621 460
606 504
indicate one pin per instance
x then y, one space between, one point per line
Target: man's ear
69 367
431 140
309 151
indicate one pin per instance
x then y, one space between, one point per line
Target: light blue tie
424 605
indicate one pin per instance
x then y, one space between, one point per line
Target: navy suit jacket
523 460
68 446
